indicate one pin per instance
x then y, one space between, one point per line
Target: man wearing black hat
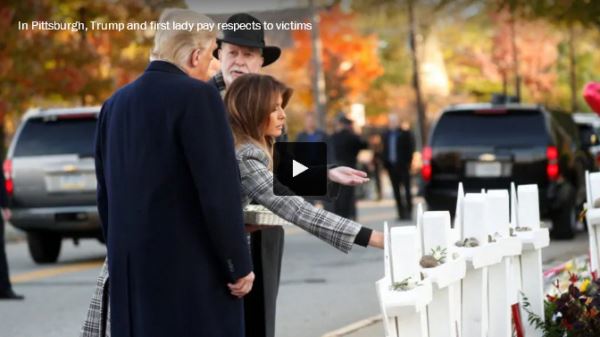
242 52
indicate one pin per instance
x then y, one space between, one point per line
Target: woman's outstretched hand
348 176
376 239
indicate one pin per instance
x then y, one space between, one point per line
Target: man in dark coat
398 149
346 144
169 197
6 291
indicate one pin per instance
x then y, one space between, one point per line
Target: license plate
71 182
491 169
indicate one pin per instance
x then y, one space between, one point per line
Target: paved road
322 289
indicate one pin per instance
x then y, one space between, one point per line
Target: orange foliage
537 52
350 60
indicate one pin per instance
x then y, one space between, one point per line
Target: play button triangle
297 168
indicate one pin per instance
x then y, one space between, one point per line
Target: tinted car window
62 136
588 135
489 128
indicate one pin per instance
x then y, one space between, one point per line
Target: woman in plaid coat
255 104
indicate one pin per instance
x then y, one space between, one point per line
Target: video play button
300 168
297 168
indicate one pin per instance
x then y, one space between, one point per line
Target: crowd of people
392 149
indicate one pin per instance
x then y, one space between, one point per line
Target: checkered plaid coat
257 185
96 323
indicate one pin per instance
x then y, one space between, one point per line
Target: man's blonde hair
175 46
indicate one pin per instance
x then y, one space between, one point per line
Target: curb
353 327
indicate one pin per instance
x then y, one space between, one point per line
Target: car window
61 136
588 135
497 129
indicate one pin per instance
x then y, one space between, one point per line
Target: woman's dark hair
249 100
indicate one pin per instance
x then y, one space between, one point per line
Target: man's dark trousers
400 177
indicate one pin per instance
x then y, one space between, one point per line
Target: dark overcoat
405 147
170 204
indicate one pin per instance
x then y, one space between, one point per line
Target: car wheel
44 247
563 223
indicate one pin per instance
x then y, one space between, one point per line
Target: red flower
566 325
573 278
551 298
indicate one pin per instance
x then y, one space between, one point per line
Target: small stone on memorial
472 242
468 242
428 261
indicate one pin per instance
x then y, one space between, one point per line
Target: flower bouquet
571 309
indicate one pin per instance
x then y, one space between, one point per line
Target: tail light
598 159
10 187
426 168
552 169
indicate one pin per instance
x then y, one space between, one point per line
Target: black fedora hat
254 38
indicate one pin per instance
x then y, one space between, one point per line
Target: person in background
346 144
311 133
376 162
398 149
6 291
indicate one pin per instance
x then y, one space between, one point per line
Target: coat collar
165 66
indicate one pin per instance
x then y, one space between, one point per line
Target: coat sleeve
207 144
101 193
257 183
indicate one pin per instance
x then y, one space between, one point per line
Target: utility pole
317 78
515 55
573 69
420 129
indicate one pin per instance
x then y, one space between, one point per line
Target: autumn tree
350 59
43 67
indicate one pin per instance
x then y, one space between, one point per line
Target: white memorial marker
592 184
516 260
475 283
500 289
457 228
457 235
534 238
442 312
402 293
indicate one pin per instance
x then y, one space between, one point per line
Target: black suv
489 146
